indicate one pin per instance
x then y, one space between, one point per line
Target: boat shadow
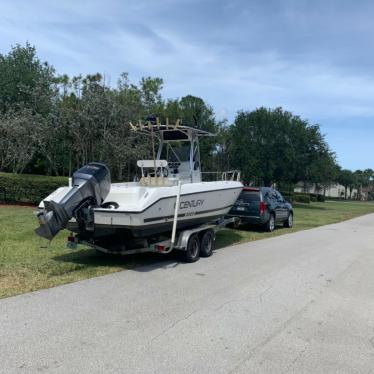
142 262
138 262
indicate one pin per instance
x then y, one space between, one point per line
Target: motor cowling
90 187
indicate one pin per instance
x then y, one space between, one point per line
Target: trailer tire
192 252
207 244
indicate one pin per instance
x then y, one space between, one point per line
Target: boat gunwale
108 210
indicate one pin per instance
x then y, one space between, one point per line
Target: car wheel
192 252
289 221
207 244
270 224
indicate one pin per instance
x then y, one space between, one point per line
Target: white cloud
235 55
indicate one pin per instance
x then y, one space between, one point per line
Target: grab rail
230 175
175 220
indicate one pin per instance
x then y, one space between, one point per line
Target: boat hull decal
186 214
116 211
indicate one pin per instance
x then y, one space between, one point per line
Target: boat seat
155 181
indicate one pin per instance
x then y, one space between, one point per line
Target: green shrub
301 194
302 198
313 199
288 197
317 197
335 198
27 188
286 188
291 193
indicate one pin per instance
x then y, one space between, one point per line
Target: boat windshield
178 153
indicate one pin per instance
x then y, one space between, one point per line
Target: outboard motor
91 185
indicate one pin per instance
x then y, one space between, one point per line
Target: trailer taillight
262 207
72 241
160 247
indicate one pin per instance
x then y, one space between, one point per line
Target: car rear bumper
253 220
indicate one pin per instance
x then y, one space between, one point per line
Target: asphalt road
299 303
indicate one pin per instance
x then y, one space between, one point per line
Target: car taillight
262 207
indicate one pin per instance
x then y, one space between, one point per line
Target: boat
113 214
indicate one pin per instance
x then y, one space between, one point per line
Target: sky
314 58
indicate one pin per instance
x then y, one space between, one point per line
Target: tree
18 139
322 169
54 124
150 90
26 82
222 156
272 146
363 180
193 111
90 121
347 179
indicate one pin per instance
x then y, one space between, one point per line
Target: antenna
153 147
195 120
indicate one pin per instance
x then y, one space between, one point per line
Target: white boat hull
153 210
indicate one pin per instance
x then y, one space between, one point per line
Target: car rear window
250 196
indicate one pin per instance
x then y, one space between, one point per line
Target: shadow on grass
309 206
228 237
142 262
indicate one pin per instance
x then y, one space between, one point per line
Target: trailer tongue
91 185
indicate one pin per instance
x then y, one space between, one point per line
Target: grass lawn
28 263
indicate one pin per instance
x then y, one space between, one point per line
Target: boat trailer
195 242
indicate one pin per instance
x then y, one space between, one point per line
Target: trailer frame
153 244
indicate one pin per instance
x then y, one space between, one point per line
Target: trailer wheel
193 249
207 244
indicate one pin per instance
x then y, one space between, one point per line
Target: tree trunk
267 183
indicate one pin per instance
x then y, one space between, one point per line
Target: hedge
297 197
27 188
335 198
317 197
288 196
301 198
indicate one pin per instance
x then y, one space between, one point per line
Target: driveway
299 303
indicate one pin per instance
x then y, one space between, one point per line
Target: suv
262 206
